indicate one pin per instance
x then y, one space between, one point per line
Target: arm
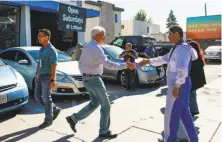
53 64
99 55
183 58
160 60
122 55
134 55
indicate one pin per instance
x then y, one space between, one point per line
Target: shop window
9 26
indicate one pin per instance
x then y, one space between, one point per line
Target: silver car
213 53
145 75
24 60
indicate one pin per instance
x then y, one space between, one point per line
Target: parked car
139 43
213 53
145 75
68 77
162 49
13 89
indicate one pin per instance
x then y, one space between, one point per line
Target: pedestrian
179 86
77 52
197 77
91 64
130 75
45 77
149 52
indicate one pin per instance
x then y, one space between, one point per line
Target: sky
159 10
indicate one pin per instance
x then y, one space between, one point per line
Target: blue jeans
193 102
98 96
43 95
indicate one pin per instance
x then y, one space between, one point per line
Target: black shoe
132 90
45 124
108 135
194 113
72 123
56 113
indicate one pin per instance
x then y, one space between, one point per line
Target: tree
141 16
150 21
171 20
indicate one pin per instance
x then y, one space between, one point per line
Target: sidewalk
136 118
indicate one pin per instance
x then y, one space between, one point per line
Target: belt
90 75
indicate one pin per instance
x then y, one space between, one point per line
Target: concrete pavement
136 117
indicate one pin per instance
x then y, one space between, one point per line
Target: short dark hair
46 32
176 28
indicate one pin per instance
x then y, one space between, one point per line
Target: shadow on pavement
65 139
7 116
98 139
17 136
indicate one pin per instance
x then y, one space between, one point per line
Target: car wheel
123 79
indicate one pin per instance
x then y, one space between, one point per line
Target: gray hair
96 30
130 44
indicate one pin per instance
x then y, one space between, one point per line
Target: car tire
121 78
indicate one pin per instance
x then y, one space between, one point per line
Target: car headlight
147 68
63 78
20 80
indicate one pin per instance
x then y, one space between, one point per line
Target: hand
52 85
130 65
176 92
129 53
143 62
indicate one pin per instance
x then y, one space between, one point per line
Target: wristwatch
52 80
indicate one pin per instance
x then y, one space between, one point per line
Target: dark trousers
130 78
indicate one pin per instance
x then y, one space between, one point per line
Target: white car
213 53
24 60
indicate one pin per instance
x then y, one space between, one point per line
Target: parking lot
127 108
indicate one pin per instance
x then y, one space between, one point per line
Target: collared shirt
48 56
126 57
93 59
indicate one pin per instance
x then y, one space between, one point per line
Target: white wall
118 25
135 27
25 27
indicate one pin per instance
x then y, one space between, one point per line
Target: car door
9 57
24 67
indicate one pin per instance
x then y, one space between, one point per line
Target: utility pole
205 9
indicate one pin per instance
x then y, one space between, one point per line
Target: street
136 116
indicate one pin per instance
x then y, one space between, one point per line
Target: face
174 37
151 44
100 38
128 47
42 38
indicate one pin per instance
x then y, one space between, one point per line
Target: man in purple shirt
149 52
91 65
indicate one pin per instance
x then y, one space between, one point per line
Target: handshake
133 65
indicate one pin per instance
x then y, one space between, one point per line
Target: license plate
3 99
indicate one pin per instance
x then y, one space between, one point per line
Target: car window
132 40
21 56
147 40
118 42
114 52
8 55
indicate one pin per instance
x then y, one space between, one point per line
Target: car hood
7 75
69 68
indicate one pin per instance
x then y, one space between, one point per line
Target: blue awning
47 6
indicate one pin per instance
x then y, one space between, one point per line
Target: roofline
100 4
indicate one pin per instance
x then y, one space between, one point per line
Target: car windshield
214 48
114 51
1 63
62 57
147 40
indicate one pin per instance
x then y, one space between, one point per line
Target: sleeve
53 57
99 55
183 58
122 53
135 54
160 60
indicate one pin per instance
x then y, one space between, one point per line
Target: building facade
135 27
110 19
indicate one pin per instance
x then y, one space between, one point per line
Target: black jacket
197 74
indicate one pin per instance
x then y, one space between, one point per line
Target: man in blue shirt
45 77
149 52
130 75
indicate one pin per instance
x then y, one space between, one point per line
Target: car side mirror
23 62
